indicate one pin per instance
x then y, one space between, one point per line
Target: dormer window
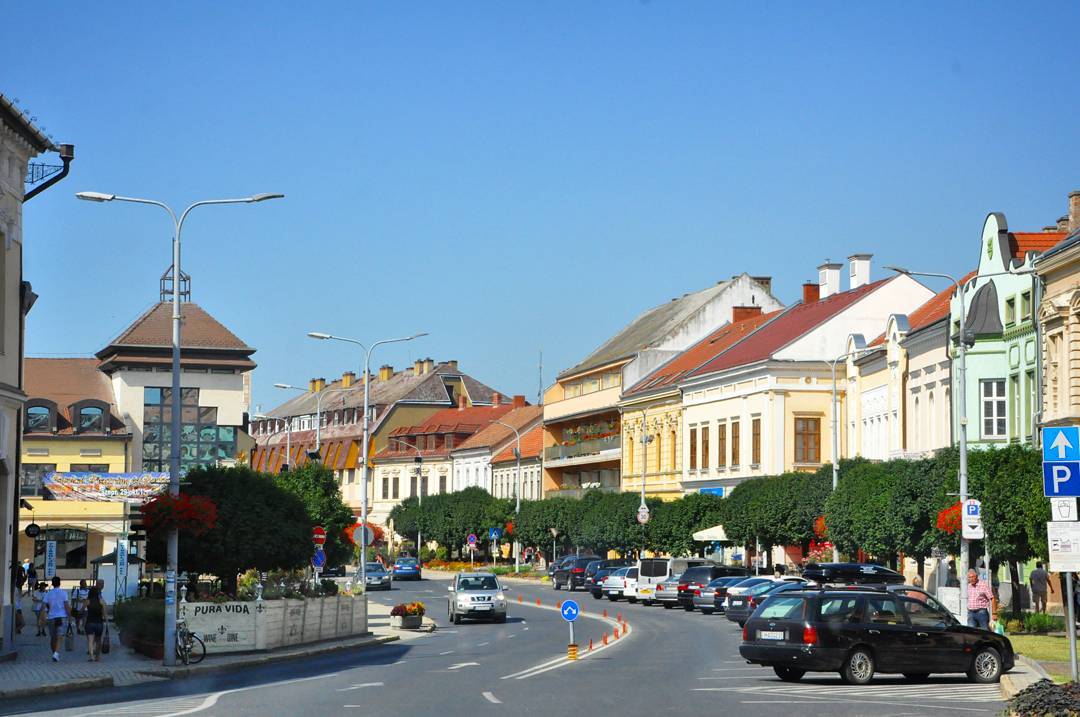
90 416
40 416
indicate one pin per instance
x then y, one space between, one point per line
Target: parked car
859 633
699 576
555 564
596 565
406 569
743 606
707 598
630 592
741 588
653 571
720 598
666 592
572 573
476 595
338 571
620 583
377 577
851 574
595 583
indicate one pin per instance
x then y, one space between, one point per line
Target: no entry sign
318 535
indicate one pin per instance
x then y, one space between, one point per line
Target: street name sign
1062 509
1063 538
50 559
570 610
1061 461
971 524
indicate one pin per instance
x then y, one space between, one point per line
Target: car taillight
578 570
682 586
745 633
659 587
697 593
809 635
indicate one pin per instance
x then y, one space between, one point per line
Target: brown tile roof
707 349
457 421
66 381
1022 242
531 445
495 433
935 309
199 330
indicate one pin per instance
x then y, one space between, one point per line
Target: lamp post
860 347
646 439
517 493
172 548
419 490
364 469
318 413
288 434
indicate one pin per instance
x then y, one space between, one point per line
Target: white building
504 467
472 462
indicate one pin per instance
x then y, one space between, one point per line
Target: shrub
441 553
1041 622
329 587
141 619
408 609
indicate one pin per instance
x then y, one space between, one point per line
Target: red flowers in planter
948 519
192 513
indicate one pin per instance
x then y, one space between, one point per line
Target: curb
85 683
1011 683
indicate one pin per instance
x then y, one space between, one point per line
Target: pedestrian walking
95 623
78 605
980 600
31 575
59 610
1039 581
39 608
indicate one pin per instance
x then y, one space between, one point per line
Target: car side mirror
450 589
506 589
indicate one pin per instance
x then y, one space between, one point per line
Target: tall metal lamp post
172 548
364 469
860 347
288 434
419 490
517 493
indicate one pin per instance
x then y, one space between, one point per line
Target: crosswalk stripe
963 693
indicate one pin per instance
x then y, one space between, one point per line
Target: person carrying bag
97 630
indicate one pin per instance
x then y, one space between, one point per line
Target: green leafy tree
316 486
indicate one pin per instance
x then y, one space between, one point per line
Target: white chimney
829 279
860 269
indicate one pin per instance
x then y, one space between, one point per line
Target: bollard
618 617
590 644
537 601
520 600
615 633
605 612
558 605
605 638
571 651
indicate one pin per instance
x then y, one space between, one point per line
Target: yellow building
1059 322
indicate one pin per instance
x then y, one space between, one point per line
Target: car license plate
645 591
736 603
770 634
481 607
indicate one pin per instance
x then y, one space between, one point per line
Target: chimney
1063 223
1074 210
320 384
429 365
461 402
829 279
311 384
386 372
418 367
348 379
1050 229
860 270
742 313
810 292
519 401
764 281
452 363
496 398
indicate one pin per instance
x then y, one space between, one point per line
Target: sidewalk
1025 673
34 673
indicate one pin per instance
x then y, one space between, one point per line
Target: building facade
1059 320
583 435
472 462
504 467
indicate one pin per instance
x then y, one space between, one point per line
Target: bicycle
190 649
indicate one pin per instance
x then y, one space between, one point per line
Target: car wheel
454 617
647 603
859 667
597 596
916 676
554 584
706 611
668 606
570 585
788 674
688 608
986 666
613 598
631 599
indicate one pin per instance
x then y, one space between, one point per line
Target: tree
316 486
259 525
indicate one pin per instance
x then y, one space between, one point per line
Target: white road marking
526 630
562 661
482 644
399 662
459 665
361 686
510 637
938 706
492 698
448 652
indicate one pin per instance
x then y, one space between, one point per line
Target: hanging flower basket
194 514
948 519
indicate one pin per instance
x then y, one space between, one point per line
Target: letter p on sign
1061 479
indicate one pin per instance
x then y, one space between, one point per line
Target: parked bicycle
190 648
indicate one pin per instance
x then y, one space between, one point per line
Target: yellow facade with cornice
659 418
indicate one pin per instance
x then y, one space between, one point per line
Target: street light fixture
364 468
172 546
288 433
419 460
517 493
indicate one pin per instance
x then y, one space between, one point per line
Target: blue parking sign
1061 478
1061 443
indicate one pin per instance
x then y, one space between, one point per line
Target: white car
618 583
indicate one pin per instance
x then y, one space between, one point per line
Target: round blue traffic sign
570 610
471 540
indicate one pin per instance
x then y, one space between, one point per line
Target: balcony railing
584 448
579 492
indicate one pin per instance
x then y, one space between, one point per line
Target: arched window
38 419
916 428
91 420
931 421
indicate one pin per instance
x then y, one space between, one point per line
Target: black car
851 574
597 570
721 588
699 576
860 632
572 573
555 564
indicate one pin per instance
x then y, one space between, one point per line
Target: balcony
599 449
568 492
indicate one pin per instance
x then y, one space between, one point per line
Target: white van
652 571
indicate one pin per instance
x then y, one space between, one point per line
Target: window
735 444
612 379
202 441
839 609
1055 369
884 611
705 431
91 420
1029 378
396 482
385 487
782 608
673 445
70 548
572 390
1010 311
32 475
721 445
993 408
442 484
693 448
755 441
412 485
38 419
921 614
89 468
1014 415
592 385
659 451
807 440
629 453
449 440
431 442
1025 306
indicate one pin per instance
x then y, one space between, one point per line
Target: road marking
492 698
459 665
526 630
399 662
736 669
562 661
448 652
361 686
482 644
510 637
938 706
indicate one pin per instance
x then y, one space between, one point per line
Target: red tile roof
198 330
705 350
935 309
531 445
496 433
66 381
1022 242
792 323
457 421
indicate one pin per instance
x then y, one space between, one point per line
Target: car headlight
500 598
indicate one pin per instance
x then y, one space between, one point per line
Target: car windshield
729 582
762 588
375 568
406 561
477 582
619 572
747 582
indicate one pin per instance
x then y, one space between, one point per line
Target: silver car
477 595
377 577
667 592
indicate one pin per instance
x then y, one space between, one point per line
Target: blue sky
518 176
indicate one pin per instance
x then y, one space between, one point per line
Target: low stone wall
270 624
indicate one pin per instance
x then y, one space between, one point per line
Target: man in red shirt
980 600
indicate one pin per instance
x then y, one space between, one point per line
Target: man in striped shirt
980 600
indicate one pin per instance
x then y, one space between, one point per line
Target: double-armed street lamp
172 549
517 492
364 468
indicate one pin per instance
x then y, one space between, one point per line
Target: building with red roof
474 459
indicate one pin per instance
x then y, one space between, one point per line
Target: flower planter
153 650
407 622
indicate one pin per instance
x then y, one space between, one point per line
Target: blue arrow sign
1061 479
1061 443
494 533
570 610
318 560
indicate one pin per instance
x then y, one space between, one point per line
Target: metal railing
584 448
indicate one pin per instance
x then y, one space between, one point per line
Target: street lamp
517 493
288 434
419 491
860 347
646 439
364 469
173 549
318 412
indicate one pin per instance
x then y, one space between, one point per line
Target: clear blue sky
511 176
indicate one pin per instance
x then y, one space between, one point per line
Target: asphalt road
670 660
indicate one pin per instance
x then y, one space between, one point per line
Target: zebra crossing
155 708
951 691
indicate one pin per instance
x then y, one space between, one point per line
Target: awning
708 535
